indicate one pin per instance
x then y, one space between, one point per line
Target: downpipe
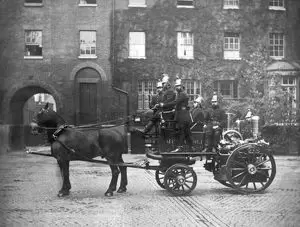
127 115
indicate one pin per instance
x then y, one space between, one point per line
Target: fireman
216 123
156 99
182 116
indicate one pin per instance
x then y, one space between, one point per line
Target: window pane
231 2
185 45
88 42
33 43
276 44
137 2
137 45
88 2
185 2
145 90
34 1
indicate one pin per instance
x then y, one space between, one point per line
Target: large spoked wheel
159 177
250 169
232 135
180 179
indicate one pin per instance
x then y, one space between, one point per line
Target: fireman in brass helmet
155 100
182 115
216 123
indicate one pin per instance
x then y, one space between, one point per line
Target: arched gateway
13 105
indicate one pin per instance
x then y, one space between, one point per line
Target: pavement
29 185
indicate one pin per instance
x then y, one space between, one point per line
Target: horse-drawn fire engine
246 165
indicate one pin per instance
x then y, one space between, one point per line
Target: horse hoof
121 190
63 193
109 194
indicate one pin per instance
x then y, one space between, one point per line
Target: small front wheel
180 179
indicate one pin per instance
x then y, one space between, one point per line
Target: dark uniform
156 99
182 116
216 122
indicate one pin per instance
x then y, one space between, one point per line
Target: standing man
197 114
215 125
182 115
169 95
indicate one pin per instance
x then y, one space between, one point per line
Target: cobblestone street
29 186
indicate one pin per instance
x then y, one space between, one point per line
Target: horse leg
124 182
64 168
114 179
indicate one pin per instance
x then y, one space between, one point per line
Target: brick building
201 40
75 51
62 48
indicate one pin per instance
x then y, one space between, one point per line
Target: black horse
81 143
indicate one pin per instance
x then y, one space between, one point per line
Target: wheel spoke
268 160
187 186
188 181
240 174
242 181
254 185
241 169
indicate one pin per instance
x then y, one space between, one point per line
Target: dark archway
18 131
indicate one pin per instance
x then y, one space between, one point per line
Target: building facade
203 41
76 51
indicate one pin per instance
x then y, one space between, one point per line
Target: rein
90 126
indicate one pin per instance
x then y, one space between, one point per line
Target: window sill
230 7
136 57
33 57
87 57
87 5
186 58
233 59
33 4
277 57
191 7
277 8
136 6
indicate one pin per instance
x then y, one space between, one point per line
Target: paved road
29 184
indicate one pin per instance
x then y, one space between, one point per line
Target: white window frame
193 88
231 88
185 3
137 45
32 4
231 4
232 46
137 3
31 38
276 5
289 84
185 45
275 44
89 45
146 88
83 3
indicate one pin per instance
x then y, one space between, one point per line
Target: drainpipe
127 115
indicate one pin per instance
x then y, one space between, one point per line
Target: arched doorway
19 133
88 85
